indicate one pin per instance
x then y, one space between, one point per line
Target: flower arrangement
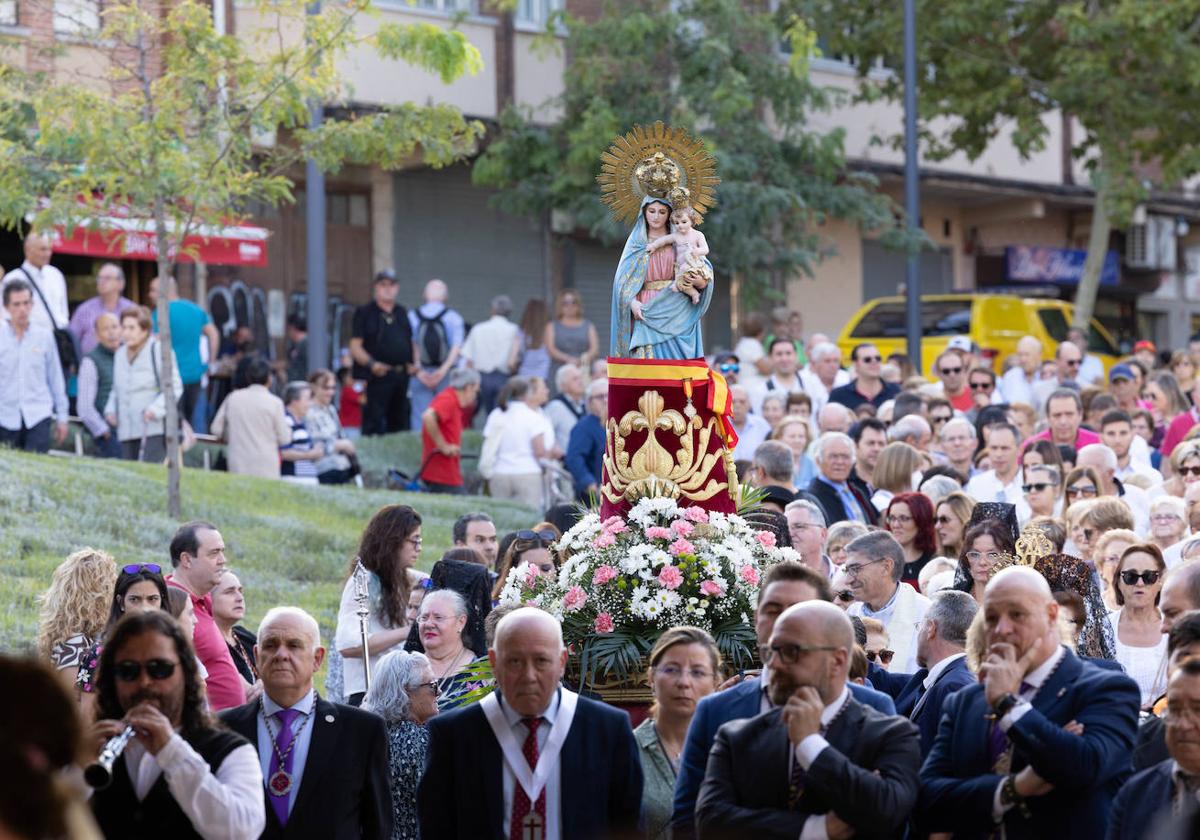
623 581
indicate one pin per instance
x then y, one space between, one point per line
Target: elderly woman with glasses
404 693
441 622
1168 521
531 547
840 535
1137 624
684 667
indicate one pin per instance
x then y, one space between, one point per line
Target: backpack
433 342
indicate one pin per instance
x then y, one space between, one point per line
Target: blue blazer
896 686
464 765
926 711
1140 802
585 451
957 782
743 700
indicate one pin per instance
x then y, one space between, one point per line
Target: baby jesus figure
691 273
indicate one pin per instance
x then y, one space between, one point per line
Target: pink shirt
1083 438
1177 431
225 688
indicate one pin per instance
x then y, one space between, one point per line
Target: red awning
134 239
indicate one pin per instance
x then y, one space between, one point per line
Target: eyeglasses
416 541
1129 577
950 371
800 526
156 669
1081 490
899 519
855 569
432 685
1074 362
944 520
789 654
433 618
134 568
939 418
1192 471
674 672
1166 517
1037 486
728 367
982 386
885 655
867 360
976 556
540 536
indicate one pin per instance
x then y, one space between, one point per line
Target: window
76 17
450 6
8 12
938 317
537 12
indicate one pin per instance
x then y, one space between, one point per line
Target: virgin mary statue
669 327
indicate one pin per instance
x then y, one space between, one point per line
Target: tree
172 127
1126 69
719 69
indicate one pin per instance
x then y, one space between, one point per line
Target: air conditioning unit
1150 246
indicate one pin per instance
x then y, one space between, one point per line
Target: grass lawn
290 545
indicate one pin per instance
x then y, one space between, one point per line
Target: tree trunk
1097 250
167 367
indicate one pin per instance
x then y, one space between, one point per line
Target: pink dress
661 267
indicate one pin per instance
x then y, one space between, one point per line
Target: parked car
993 322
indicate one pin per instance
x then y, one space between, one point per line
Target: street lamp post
912 200
314 240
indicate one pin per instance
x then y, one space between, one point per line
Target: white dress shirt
553 782
1017 387
806 753
754 432
815 388
226 805
302 729
1034 680
489 344
53 286
938 669
1091 370
987 487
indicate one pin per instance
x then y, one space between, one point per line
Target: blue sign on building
1036 264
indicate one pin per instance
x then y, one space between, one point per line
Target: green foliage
715 68
289 544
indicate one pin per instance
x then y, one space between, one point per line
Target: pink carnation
604 623
695 514
603 575
574 599
711 588
750 575
614 525
657 532
670 577
765 538
682 527
604 540
531 574
681 546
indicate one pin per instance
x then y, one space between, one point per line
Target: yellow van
994 322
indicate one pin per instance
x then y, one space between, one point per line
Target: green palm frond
478 672
750 499
737 643
619 653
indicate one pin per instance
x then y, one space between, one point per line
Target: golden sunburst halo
684 163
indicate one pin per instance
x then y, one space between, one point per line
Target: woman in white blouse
1137 625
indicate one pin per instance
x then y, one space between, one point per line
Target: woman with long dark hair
387 552
909 517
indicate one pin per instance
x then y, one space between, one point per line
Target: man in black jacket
821 761
326 764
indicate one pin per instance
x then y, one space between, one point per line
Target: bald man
478 779
1041 744
50 287
820 763
438 335
1018 381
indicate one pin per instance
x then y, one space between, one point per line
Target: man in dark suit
837 496
325 764
941 653
820 763
577 774
1149 796
1042 745
787 583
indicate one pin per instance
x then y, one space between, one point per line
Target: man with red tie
539 761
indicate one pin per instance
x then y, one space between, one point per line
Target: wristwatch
1005 704
1010 798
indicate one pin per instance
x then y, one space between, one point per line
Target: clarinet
362 595
99 773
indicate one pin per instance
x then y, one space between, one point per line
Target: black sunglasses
885 656
866 360
134 568
541 536
952 370
1130 578
1192 471
156 669
982 386
1036 486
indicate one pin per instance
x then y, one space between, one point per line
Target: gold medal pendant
280 783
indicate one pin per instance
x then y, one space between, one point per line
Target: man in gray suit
820 763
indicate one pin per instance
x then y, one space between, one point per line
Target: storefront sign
1036 264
